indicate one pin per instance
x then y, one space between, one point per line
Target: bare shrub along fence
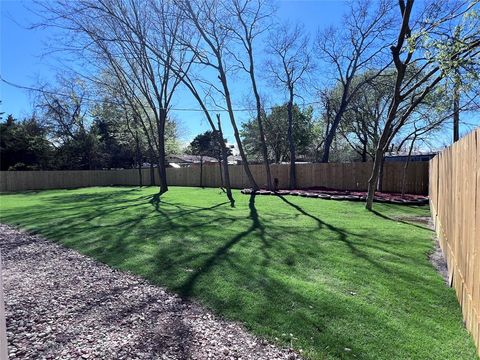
455 207
350 176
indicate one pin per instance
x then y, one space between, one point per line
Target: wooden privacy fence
349 176
455 207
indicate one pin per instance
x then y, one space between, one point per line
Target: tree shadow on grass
233 261
399 220
220 253
320 315
343 235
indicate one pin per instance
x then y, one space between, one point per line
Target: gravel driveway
60 304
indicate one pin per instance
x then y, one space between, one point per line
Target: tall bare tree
211 19
357 46
252 21
114 34
191 81
430 46
289 63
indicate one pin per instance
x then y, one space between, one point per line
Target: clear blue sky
25 59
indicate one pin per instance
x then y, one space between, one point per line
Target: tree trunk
226 175
264 150
372 182
221 170
380 173
261 131
456 112
236 133
291 143
333 128
364 152
162 171
377 166
395 102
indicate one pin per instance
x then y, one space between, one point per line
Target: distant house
189 160
233 149
415 156
234 160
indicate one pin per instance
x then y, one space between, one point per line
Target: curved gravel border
60 304
339 195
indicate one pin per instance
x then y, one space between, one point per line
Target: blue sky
25 59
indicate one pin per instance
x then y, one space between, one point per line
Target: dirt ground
63 305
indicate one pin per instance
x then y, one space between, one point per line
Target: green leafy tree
206 144
445 40
276 133
24 145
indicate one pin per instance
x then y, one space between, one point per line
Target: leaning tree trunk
236 133
364 153
220 170
264 151
226 174
377 165
372 182
261 131
333 128
381 173
291 143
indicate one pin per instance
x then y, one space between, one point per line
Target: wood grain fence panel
318 174
336 180
455 204
349 173
349 176
209 176
331 174
476 271
3 181
302 171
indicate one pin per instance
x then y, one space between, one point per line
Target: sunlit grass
328 277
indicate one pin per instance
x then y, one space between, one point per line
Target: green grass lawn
328 277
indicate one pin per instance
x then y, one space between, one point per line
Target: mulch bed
329 194
63 305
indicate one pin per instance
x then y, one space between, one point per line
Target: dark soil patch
438 261
329 194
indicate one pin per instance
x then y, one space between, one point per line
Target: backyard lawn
327 277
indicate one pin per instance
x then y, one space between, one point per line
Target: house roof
190 159
414 153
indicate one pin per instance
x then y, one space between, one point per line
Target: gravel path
60 304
